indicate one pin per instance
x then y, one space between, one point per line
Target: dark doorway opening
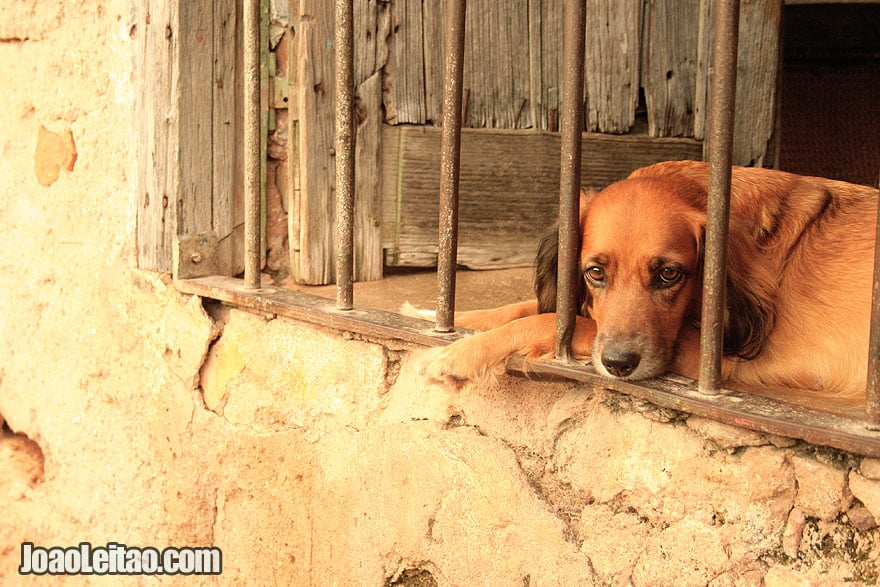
830 92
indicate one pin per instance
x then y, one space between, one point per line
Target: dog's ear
749 315
751 311
747 322
546 270
547 262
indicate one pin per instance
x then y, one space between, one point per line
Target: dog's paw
454 365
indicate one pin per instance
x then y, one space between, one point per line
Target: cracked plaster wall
134 414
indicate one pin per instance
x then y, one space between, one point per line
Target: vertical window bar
720 159
450 156
252 151
571 125
345 140
872 399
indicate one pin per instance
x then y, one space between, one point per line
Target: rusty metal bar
872 394
345 139
252 151
720 160
450 156
572 124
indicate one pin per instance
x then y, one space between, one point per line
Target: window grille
860 434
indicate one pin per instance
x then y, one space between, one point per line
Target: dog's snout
622 363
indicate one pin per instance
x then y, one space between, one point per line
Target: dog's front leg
477 357
489 319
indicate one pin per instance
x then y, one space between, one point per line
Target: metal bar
252 151
345 139
720 160
872 393
572 124
450 156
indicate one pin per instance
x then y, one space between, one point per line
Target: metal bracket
278 86
196 255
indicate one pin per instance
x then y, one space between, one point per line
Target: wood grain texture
496 65
195 38
509 188
156 105
513 53
432 30
311 216
312 116
670 73
405 70
368 193
545 63
189 172
758 69
227 208
611 72
500 65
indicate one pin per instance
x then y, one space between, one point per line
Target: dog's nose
620 364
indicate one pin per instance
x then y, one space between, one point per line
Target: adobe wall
141 416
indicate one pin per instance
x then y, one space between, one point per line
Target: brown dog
800 262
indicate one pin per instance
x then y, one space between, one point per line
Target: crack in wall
563 500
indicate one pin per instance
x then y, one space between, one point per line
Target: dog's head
641 241
641 263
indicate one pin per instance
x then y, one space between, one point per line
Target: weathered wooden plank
496 65
509 188
405 70
545 62
368 261
670 57
371 29
311 209
611 72
311 111
497 85
432 30
227 176
156 23
195 38
189 171
758 64
365 14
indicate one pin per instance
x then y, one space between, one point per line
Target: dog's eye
595 275
669 276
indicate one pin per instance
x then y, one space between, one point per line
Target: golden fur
800 261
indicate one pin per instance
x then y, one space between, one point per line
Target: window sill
837 427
